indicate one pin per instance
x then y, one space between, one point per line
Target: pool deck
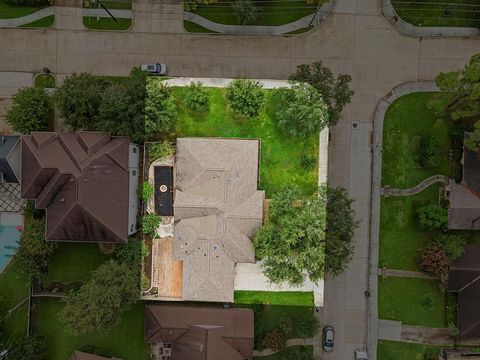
9 237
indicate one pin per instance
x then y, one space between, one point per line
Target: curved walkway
376 181
408 29
386 191
307 21
290 343
40 14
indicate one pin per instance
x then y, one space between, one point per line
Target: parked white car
361 355
155 69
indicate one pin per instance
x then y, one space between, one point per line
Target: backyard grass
74 262
392 350
412 301
280 155
400 237
291 353
8 11
407 120
14 288
270 12
45 22
461 13
125 341
91 22
45 81
297 298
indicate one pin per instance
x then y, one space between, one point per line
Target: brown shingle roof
201 333
82 180
464 279
217 210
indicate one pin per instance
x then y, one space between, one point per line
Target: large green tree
79 100
245 97
29 348
301 110
302 240
100 303
160 108
122 109
335 91
31 110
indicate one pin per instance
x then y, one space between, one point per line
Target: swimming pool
9 242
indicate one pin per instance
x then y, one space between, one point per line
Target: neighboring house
78 355
464 279
86 181
199 333
10 161
464 208
217 210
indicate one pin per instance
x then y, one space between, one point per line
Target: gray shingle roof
217 210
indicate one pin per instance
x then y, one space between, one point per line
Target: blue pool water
9 242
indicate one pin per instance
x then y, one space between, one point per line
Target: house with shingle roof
87 181
217 210
10 162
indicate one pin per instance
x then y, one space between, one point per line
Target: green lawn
106 23
412 301
462 13
291 353
8 11
391 350
195 28
406 121
400 237
74 262
124 341
280 155
13 289
297 298
270 12
46 22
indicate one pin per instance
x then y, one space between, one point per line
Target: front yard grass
297 298
401 239
392 350
412 301
45 22
290 353
461 13
8 11
124 341
270 12
280 155
104 23
408 120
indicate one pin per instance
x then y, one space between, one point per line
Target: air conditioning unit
166 351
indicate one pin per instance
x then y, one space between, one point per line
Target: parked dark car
327 339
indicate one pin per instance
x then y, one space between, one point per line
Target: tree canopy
335 91
245 97
31 110
79 99
100 303
196 97
301 239
301 110
28 348
160 108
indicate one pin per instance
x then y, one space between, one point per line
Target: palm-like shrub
245 12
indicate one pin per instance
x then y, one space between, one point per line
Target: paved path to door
356 39
396 331
405 274
387 191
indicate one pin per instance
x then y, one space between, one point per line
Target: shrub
276 339
433 261
144 282
432 217
309 326
429 152
28 2
196 97
31 110
29 348
301 110
146 190
452 245
160 108
160 150
132 253
245 97
245 12
308 162
149 224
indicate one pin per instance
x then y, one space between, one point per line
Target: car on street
155 69
361 355
327 339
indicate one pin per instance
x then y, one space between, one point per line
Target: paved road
356 39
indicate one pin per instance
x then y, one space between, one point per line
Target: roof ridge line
470 283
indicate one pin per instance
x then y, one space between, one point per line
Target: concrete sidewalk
40 14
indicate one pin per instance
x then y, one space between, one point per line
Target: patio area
167 273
